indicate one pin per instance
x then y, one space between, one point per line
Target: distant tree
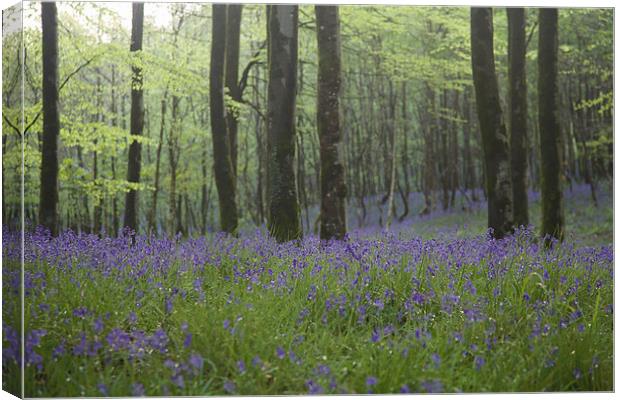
550 140
222 165
48 199
493 130
284 219
517 95
333 189
137 119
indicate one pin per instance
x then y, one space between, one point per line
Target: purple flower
137 389
313 387
178 380
58 350
188 340
405 389
257 362
103 389
80 312
80 348
98 325
436 359
577 373
433 386
196 361
229 386
168 305
118 339
323 369
280 353
241 366
479 362
375 336
159 341
371 381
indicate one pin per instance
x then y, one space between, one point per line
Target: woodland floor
431 306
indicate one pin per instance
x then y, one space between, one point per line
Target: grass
433 306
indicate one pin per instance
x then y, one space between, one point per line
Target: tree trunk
333 188
233 31
222 164
137 121
550 140
517 95
492 127
284 218
48 200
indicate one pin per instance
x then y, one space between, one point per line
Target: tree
492 127
333 189
137 119
233 31
222 165
550 140
284 220
48 200
517 95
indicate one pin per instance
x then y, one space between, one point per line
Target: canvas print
286 199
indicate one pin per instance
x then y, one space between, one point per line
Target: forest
428 190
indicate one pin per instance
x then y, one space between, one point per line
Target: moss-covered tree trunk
233 31
284 219
492 128
48 195
222 165
137 120
550 139
333 189
517 95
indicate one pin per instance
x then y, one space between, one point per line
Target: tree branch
246 71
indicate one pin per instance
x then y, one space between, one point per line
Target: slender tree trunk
137 121
222 164
404 194
114 122
153 210
48 199
173 162
492 128
550 140
333 188
233 31
517 95
284 218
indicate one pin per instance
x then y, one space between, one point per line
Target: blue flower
371 381
229 386
103 389
188 340
196 361
137 389
241 366
280 353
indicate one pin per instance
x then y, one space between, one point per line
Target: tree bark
222 164
233 31
333 188
137 120
48 200
284 219
550 140
517 95
492 127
